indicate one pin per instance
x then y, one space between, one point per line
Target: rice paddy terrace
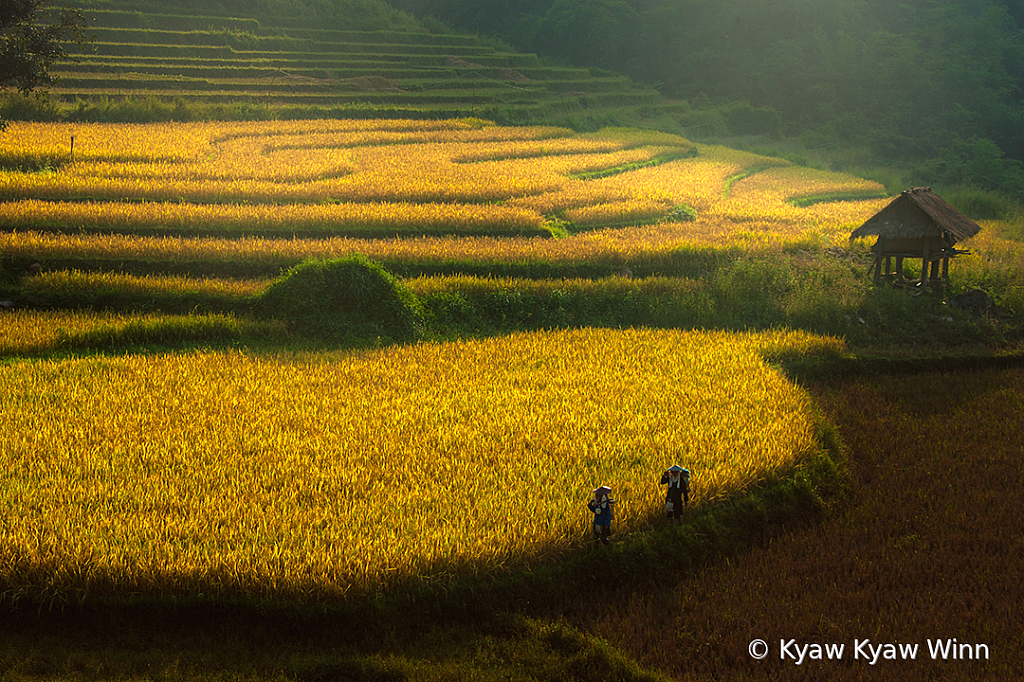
402 72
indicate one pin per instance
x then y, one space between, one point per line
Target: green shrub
344 297
34 107
745 119
750 292
981 204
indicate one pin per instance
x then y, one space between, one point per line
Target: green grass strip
627 167
830 197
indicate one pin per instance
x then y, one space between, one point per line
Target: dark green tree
601 33
32 39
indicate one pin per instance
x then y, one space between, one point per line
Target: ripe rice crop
769 192
460 191
623 212
532 148
273 165
397 174
248 219
167 142
573 194
93 283
697 182
184 142
28 332
317 162
311 474
612 247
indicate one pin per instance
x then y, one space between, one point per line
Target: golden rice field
316 473
31 332
393 218
321 161
311 474
238 289
462 189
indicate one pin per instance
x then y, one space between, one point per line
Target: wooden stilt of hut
919 225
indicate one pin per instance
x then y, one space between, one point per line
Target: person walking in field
603 507
678 494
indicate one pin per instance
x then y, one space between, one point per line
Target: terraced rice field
457 191
402 70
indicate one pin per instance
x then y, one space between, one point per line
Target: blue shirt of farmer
602 511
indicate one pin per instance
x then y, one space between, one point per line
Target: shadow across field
927 548
485 625
919 454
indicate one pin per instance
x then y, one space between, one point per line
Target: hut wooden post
924 265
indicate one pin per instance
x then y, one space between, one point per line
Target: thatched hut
917 224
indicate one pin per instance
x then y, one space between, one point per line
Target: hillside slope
933 87
155 62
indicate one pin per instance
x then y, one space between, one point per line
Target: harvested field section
928 549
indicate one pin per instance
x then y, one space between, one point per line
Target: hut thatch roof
918 212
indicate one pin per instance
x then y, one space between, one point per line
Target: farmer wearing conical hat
678 495
603 507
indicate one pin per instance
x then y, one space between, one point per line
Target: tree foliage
32 39
599 33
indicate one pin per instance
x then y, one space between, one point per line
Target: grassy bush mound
350 296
